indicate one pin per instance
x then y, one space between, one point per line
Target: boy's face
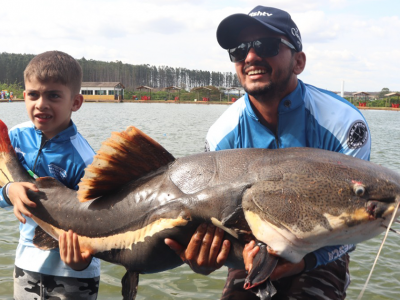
50 105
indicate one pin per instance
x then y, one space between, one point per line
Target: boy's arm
70 252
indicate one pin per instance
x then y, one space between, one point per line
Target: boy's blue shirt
308 117
64 157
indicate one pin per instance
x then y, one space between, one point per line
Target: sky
351 41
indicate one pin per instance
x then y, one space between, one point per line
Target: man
278 111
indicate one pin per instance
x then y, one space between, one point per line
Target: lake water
181 129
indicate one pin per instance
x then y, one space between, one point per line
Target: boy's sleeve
4 200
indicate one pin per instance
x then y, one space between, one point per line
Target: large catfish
135 194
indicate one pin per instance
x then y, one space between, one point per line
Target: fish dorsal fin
125 156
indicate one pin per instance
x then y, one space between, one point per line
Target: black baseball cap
273 19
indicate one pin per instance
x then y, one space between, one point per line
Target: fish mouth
380 208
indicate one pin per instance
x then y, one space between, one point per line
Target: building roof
360 93
102 84
392 94
201 88
144 87
172 88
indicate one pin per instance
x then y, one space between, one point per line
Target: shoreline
192 102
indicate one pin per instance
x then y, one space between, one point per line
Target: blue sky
355 41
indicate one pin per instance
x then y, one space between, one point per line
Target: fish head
320 202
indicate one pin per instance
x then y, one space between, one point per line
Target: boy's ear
78 100
24 95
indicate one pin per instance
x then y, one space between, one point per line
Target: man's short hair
55 66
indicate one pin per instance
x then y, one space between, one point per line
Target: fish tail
10 167
5 143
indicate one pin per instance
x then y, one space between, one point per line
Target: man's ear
78 100
299 62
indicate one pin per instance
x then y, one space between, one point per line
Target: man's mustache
266 66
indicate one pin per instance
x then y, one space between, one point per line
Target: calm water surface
181 129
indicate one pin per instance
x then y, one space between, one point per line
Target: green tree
384 92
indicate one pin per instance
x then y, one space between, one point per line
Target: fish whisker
392 230
379 252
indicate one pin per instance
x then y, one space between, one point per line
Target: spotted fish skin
295 200
135 194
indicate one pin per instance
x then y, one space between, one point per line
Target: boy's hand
19 198
70 252
206 251
283 269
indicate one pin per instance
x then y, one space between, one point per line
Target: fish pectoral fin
263 265
44 241
130 283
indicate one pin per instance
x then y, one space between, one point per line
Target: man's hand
206 251
283 269
249 252
17 192
70 252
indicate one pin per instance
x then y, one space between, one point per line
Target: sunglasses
265 47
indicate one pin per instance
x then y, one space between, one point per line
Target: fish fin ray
130 283
44 241
109 171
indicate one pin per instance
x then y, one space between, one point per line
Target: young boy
50 145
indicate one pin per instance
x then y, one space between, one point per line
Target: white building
98 91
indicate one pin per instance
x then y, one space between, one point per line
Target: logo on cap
259 13
296 33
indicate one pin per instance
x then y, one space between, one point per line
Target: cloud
354 40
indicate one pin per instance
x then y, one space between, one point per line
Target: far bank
191 102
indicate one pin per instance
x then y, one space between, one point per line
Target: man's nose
252 55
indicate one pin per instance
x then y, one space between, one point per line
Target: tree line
131 76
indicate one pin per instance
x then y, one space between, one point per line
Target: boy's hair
55 66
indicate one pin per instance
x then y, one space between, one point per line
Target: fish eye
359 190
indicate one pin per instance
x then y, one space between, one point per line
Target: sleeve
86 154
358 140
326 255
4 200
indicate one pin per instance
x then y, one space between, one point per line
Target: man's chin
259 90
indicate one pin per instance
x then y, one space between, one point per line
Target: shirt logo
358 135
259 13
58 173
